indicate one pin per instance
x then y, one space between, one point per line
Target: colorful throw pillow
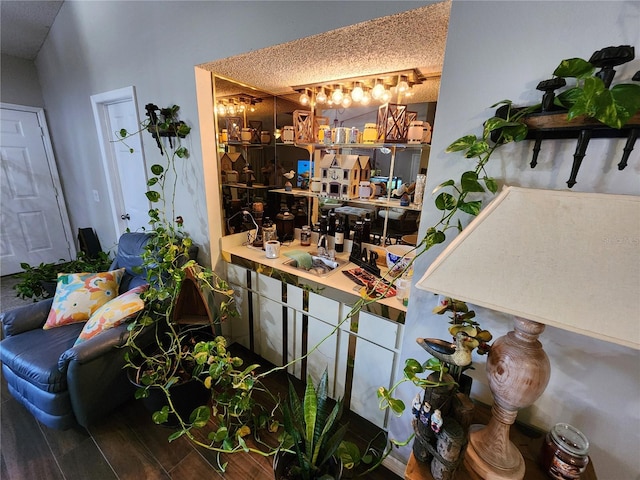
79 295
113 313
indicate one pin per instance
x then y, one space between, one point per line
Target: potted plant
39 282
312 435
165 355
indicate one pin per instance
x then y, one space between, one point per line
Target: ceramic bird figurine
289 175
458 354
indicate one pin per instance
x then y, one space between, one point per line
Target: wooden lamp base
518 370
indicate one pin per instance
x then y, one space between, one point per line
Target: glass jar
564 452
324 134
415 132
224 136
370 133
287 134
245 135
305 236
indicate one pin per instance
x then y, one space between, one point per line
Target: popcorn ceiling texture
411 39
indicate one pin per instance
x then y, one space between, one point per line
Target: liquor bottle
331 229
366 229
339 237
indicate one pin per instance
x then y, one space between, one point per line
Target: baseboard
396 466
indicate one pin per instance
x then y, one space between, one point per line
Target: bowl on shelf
398 257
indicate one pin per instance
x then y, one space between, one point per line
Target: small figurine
415 406
425 413
436 421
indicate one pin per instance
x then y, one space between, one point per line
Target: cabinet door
322 356
373 368
272 333
239 328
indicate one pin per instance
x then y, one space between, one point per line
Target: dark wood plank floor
126 445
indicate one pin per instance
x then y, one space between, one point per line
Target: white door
34 226
125 170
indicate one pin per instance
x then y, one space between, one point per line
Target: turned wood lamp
548 258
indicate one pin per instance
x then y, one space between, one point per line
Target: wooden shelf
527 439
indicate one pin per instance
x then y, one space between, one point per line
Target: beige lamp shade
566 259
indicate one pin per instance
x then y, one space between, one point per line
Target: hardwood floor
126 445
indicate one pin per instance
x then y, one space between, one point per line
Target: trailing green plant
35 280
176 353
592 98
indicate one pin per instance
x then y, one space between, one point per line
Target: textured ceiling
415 38
24 26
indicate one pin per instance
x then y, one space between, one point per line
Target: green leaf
157 169
412 367
515 133
200 416
477 149
397 406
152 195
176 435
445 201
123 132
567 98
448 183
472 208
435 237
469 182
152 181
574 68
461 144
243 444
491 184
182 152
219 434
161 416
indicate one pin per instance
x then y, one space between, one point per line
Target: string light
378 89
304 98
361 91
337 94
321 97
357 92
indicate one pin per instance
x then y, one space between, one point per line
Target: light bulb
221 109
366 97
403 86
346 100
321 97
231 109
337 95
304 98
378 90
386 95
357 93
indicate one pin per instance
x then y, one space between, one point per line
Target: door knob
126 216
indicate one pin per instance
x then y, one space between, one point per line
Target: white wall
19 82
501 50
98 46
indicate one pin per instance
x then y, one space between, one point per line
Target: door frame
53 171
99 103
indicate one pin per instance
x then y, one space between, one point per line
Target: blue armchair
62 385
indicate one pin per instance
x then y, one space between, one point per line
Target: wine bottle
339 237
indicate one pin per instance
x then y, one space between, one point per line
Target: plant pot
49 287
283 461
185 396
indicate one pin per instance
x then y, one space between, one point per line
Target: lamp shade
566 259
